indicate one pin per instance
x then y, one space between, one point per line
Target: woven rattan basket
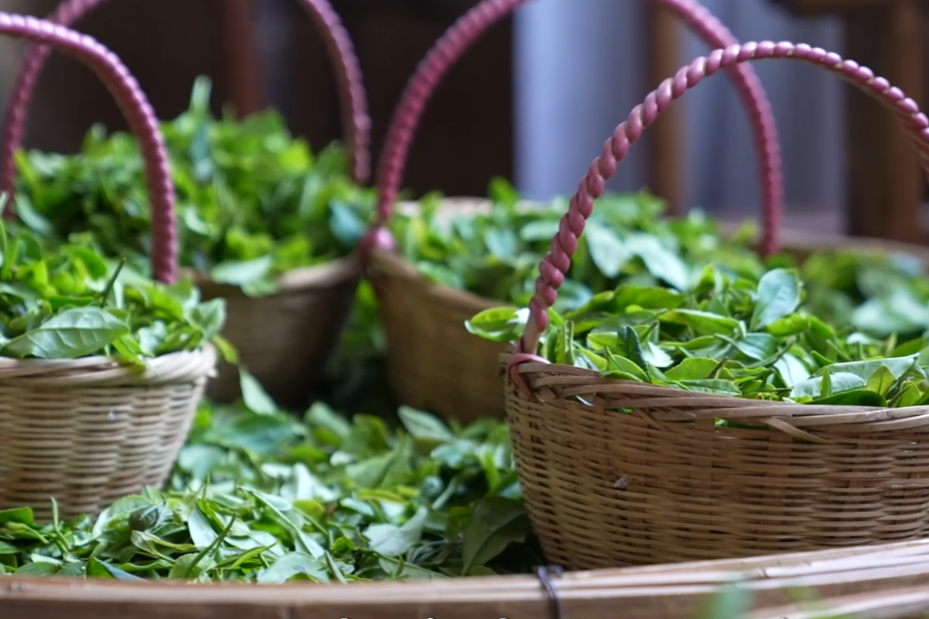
644 475
286 339
458 379
89 431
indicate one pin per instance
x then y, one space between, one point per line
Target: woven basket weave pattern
606 488
90 436
432 360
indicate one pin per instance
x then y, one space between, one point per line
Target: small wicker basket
88 431
459 378
285 340
662 482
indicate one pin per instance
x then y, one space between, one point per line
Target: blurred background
535 98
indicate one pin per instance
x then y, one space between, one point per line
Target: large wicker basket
644 474
458 379
89 431
285 340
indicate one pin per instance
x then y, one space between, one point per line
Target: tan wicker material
453 378
664 484
623 473
889 582
88 431
286 339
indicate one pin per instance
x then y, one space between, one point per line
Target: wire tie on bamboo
544 573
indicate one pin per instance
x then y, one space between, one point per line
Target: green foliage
727 335
253 202
268 498
72 303
496 254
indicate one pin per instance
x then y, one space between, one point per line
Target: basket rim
387 262
789 417
99 370
331 273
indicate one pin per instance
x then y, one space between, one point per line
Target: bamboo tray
890 582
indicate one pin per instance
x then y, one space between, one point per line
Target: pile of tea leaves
496 254
727 335
252 201
71 303
266 497
629 240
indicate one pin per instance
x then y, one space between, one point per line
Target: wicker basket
88 431
664 483
459 379
286 339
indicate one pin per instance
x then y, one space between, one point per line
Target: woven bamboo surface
664 483
891 582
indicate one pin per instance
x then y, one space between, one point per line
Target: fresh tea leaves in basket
71 303
253 201
629 240
727 335
268 498
496 254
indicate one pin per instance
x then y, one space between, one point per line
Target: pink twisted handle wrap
555 264
458 38
348 75
138 113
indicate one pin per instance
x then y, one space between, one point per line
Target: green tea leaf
703 323
253 394
241 272
494 524
391 540
502 324
778 297
70 334
293 565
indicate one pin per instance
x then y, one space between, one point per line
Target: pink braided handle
138 113
458 38
357 123
555 264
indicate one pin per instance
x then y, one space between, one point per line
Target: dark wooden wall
465 137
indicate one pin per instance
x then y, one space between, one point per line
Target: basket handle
459 37
357 123
555 264
139 115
